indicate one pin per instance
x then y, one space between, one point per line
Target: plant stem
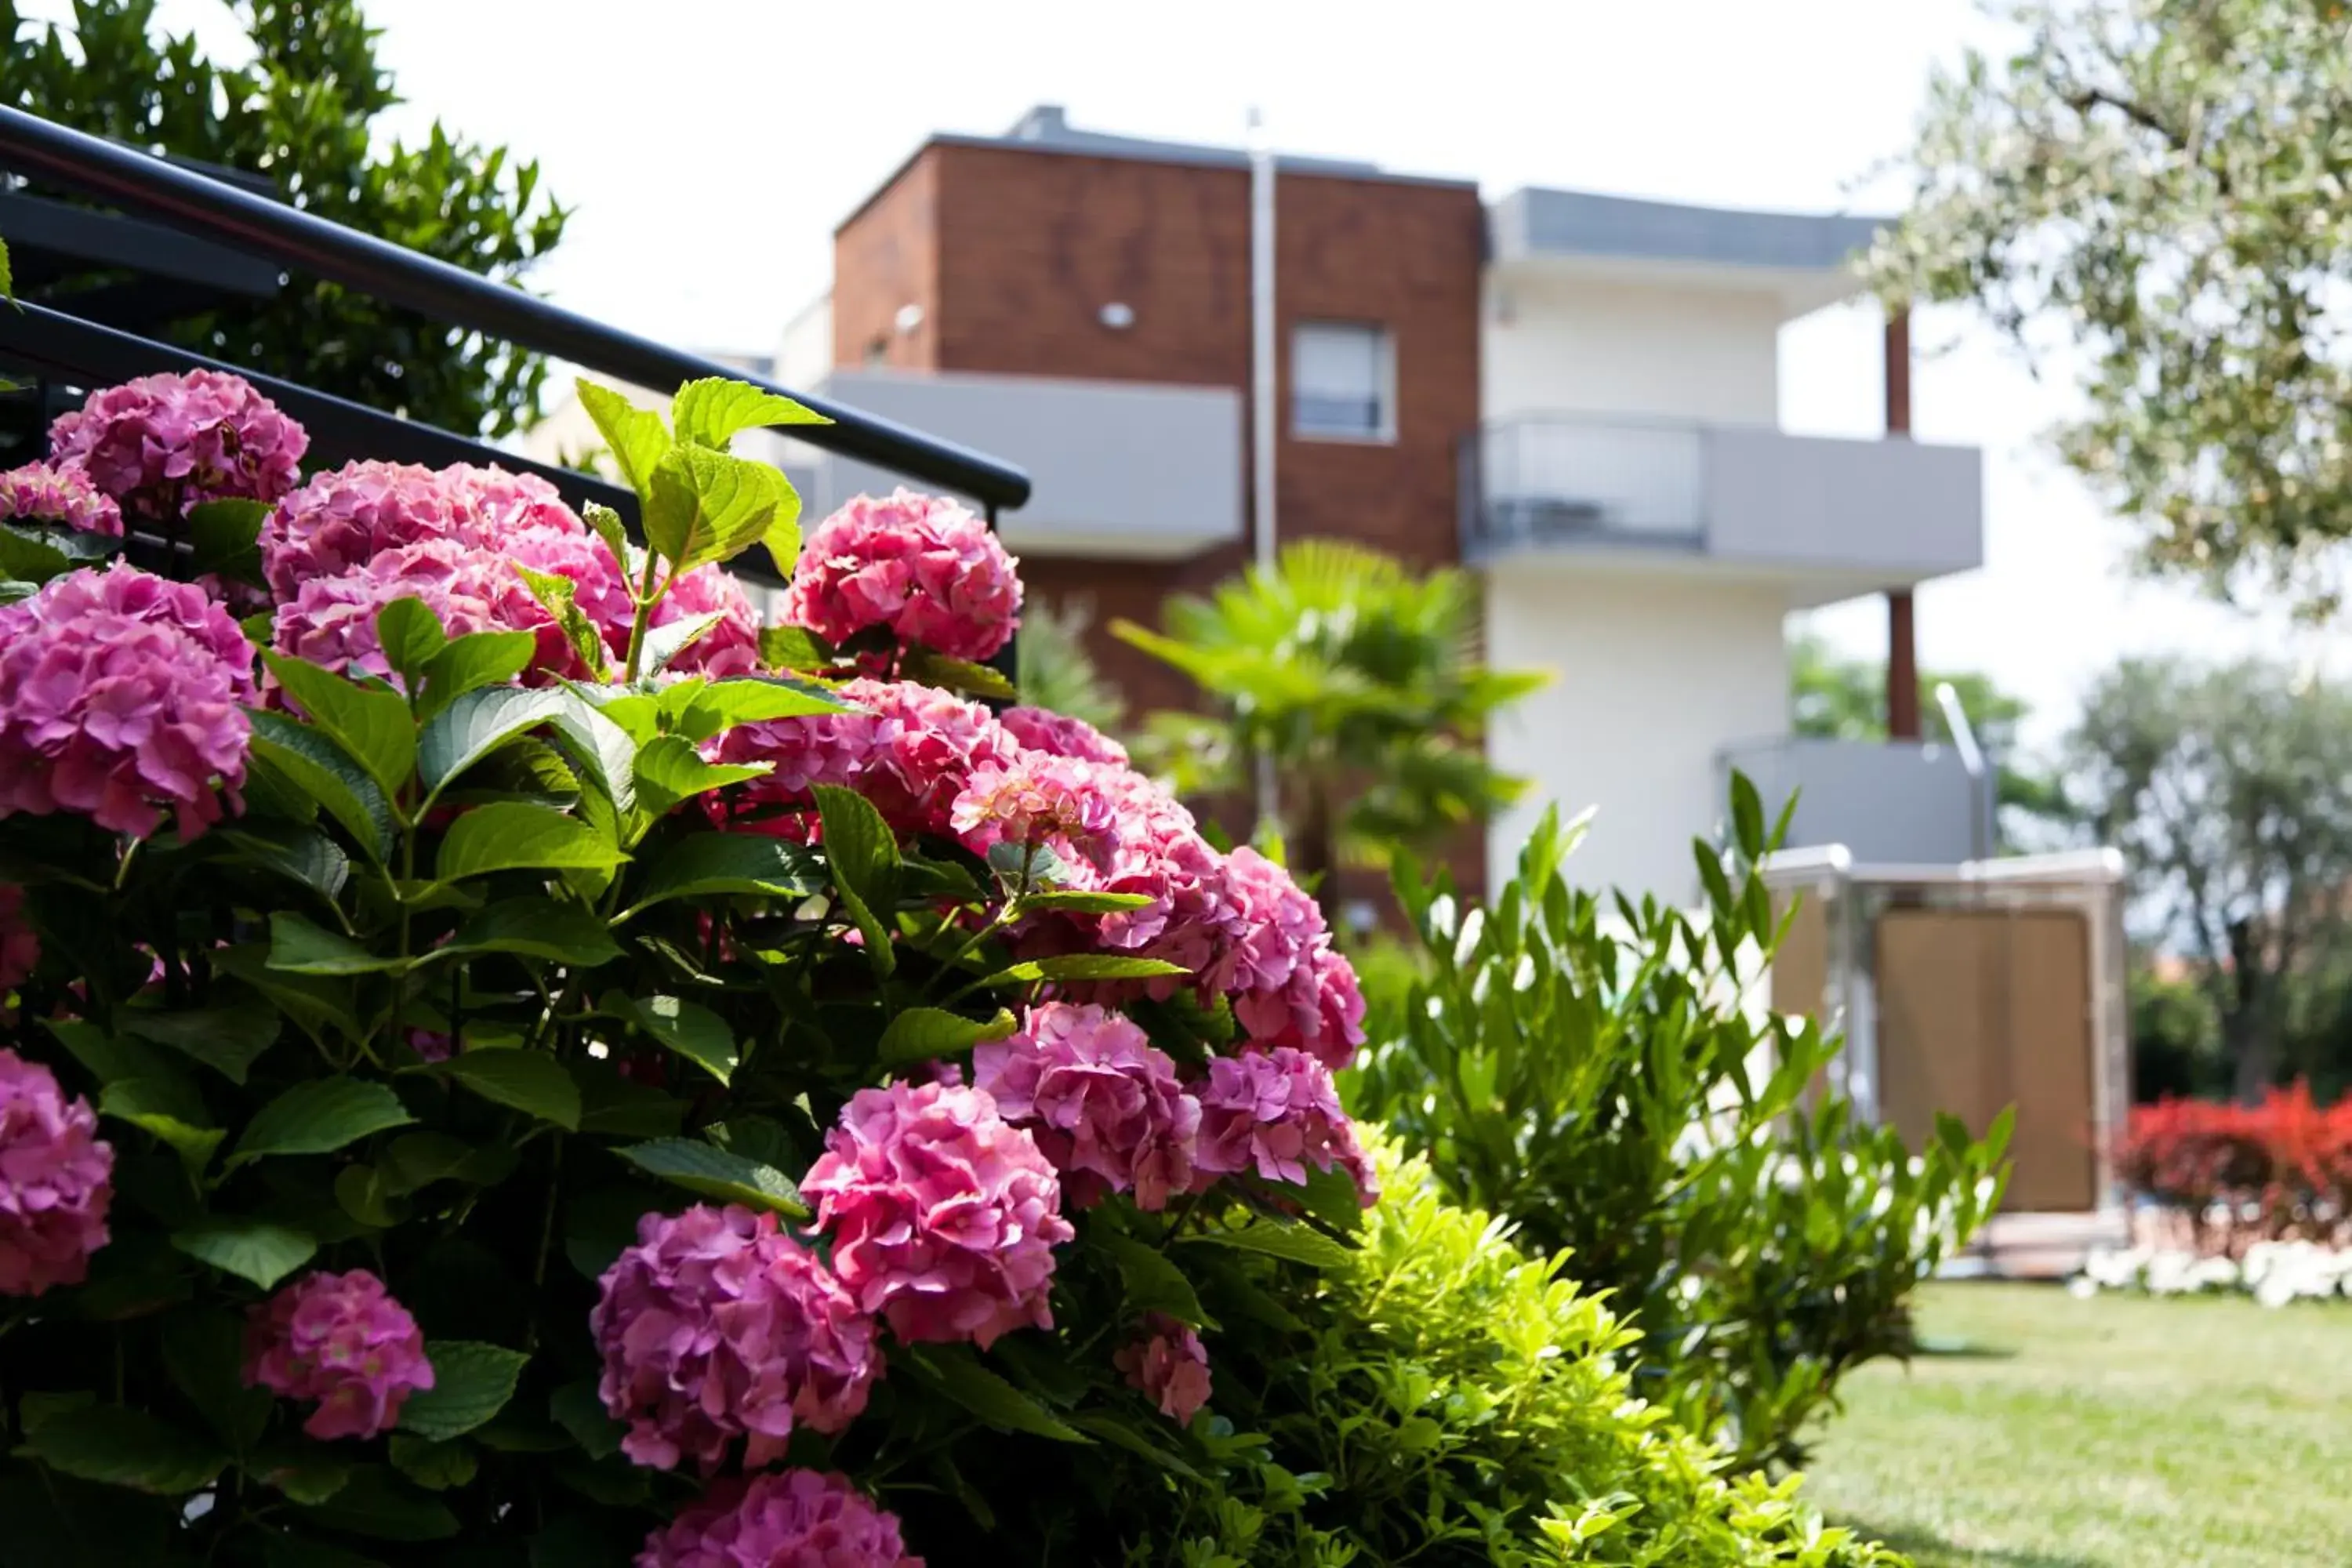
645 612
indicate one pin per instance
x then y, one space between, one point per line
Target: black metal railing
241 221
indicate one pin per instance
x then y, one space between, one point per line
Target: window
1343 382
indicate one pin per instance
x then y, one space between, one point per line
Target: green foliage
1594 1073
1429 1395
2229 790
1057 670
304 113
1836 698
1361 681
2159 185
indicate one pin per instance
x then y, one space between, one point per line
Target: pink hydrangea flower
944 1216
331 621
597 586
58 493
922 567
1035 798
1277 1113
910 750
717 1325
162 444
1042 730
786 1519
342 1340
20 946
343 519
1168 1362
56 1181
731 646
501 504
1287 985
1104 1104
119 700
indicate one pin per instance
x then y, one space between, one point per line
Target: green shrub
1606 1085
1432 1396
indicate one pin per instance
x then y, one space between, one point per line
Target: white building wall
1570 344
1652 675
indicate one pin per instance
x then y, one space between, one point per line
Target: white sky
709 146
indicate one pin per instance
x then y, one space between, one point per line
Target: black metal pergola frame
226 231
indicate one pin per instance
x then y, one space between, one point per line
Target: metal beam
302 241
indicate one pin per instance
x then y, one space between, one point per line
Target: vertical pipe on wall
1902 645
1263 387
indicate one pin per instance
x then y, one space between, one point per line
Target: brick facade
1012 252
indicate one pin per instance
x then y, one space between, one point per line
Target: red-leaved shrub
2245 1173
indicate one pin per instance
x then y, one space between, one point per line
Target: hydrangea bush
508 1060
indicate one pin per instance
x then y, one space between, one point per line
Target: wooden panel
1935 1033
1801 969
2050 1067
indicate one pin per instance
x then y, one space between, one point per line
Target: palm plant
1356 684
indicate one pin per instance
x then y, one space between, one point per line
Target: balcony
1887 803
1835 518
1127 469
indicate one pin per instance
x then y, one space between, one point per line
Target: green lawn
2113 1433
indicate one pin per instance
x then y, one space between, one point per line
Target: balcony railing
1898 509
1887 803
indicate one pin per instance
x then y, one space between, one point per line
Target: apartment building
1576 395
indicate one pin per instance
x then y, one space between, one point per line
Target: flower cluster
340 1340
119 700
717 1325
58 493
795 1519
944 1216
1277 1113
924 569
1036 800
163 444
1058 734
1105 1105
56 1181
1166 1361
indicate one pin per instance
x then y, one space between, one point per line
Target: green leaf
955 674
670 769
560 597
636 437
607 752
926 1034
252 1249
319 1117
665 643
30 557
712 411
435 1467
471 662
1082 966
1072 901
297 947
374 727
954 1371
607 524
714 863
790 648
578 1410
750 699
125 1449
527 1080
1154 1283
513 836
361 1193
471 1383
694 1032
707 506
303 855
225 1038
535 927
715 1174
203 1352
223 537
372 1503
1293 1243
305 1472
1747 817
475 724
417 1160
865 858
614 1107
326 773
411 636
168 1109
313 1001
